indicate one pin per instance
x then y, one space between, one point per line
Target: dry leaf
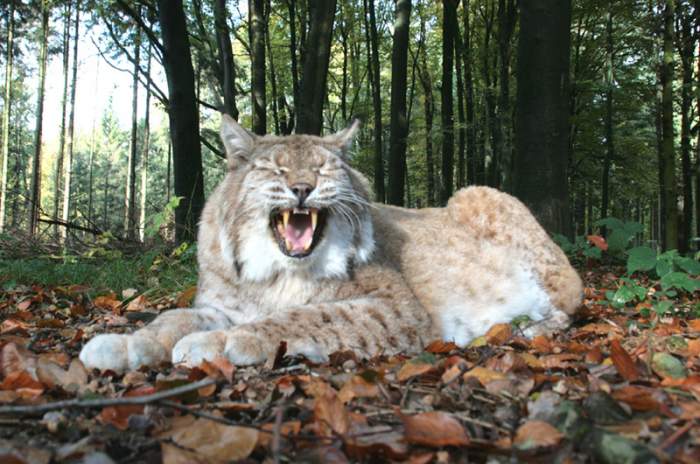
498 334
137 304
108 302
440 347
484 375
535 434
357 387
184 300
598 242
638 398
330 415
412 369
541 344
435 429
623 362
205 441
52 375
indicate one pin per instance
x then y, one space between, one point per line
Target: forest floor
621 385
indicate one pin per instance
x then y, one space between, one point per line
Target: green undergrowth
158 271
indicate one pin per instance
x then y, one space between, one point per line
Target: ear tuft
238 141
344 138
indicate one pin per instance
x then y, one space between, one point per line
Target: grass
154 270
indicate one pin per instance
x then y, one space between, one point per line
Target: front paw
241 347
120 353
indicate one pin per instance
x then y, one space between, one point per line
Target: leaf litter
620 385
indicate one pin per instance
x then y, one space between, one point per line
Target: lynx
291 248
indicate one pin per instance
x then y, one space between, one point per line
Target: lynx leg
152 344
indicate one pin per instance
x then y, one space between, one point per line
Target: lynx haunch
292 249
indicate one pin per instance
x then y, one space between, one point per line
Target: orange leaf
357 387
109 302
435 429
9 326
536 434
411 369
484 375
331 415
498 334
137 304
623 362
440 346
598 241
184 300
541 344
638 398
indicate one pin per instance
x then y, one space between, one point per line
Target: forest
588 111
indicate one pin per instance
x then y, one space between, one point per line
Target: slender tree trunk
145 151
184 118
399 123
344 85
273 76
449 21
542 128
292 8
35 200
64 105
686 49
669 187
9 44
68 162
373 73
130 196
697 143
312 91
462 131
168 174
256 18
469 86
228 67
426 82
609 136
506 24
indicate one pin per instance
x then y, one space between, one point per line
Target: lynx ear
238 141
344 138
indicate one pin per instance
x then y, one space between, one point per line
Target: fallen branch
101 403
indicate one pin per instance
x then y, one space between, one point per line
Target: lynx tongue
298 232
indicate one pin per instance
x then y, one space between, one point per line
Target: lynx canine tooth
285 217
314 219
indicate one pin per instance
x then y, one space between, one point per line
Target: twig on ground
103 402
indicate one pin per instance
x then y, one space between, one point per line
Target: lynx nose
302 191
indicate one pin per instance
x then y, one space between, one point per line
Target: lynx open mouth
298 230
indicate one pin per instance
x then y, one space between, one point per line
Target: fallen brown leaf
623 362
435 429
535 434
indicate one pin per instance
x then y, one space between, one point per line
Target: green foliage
621 233
579 247
162 218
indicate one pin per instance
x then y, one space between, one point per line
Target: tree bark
462 130
669 189
35 201
373 75
428 108
146 146
228 66
399 122
184 118
257 74
292 8
9 44
542 125
609 136
449 21
506 24
469 86
68 161
64 105
130 194
312 90
686 41
273 76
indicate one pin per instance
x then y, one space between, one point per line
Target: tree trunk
35 201
686 49
256 19
449 21
542 125
273 76
399 123
462 131
184 118
373 75
9 44
68 162
64 105
609 136
344 85
228 67
469 86
426 82
506 24
669 189
292 8
312 90
145 150
130 195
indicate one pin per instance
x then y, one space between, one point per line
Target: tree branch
126 8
